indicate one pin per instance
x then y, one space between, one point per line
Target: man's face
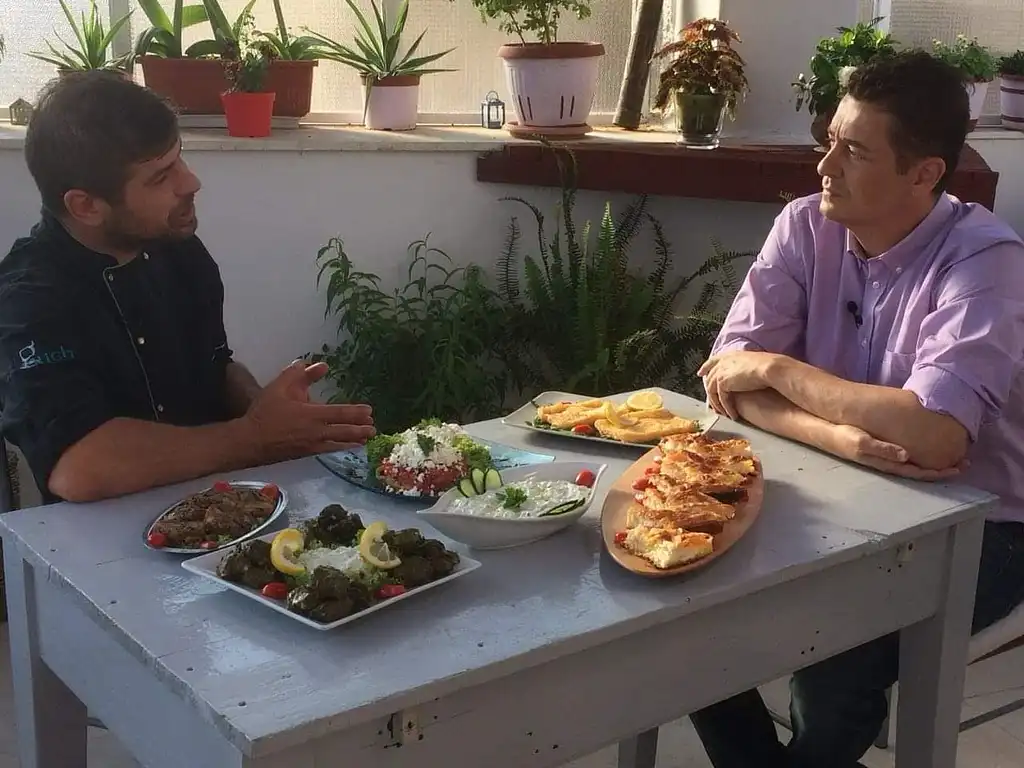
862 182
158 202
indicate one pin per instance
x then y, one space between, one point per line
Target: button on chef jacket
84 340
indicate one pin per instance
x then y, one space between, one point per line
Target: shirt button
145 256
876 284
160 408
899 270
141 340
864 343
110 278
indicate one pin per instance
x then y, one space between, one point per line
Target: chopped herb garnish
475 455
512 498
430 423
426 443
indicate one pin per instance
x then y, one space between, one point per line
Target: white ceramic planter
1011 101
977 93
393 103
552 86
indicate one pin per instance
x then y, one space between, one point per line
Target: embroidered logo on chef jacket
31 358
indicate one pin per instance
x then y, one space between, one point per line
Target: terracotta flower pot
392 104
249 115
552 86
194 86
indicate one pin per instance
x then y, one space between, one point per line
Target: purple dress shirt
940 314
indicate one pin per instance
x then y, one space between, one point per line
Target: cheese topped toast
667 547
682 508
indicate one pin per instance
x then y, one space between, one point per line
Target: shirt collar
67 248
911 246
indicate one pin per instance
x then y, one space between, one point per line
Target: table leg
933 661
641 751
51 721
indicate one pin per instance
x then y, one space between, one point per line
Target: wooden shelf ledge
753 173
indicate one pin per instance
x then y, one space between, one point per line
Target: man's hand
730 372
284 424
857 445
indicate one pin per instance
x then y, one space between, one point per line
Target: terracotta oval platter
620 498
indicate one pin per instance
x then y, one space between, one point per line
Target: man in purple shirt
883 322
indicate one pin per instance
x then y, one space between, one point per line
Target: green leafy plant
978 64
431 348
291 47
247 59
834 58
225 33
1012 64
586 320
376 53
91 49
703 62
537 18
164 35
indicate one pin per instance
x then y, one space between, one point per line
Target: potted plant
391 80
833 61
183 76
291 71
248 103
91 48
977 64
552 83
1011 91
704 79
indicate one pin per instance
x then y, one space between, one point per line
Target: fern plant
427 350
587 321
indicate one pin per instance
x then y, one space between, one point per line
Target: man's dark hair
88 130
927 103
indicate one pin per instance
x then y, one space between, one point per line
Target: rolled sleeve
971 346
49 396
769 311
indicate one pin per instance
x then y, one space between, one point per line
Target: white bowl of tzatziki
492 510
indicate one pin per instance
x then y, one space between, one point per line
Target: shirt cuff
737 345
940 391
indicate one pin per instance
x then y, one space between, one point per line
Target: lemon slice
283 550
644 401
373 549
617 418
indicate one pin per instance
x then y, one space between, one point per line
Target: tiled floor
999 744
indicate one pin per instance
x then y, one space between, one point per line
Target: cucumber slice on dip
492 480
561 509
477 477
466 487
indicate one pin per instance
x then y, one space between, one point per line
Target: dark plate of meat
334 568
217 517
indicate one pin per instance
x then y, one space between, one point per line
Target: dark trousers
838 705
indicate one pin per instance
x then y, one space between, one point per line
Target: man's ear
85 208
927 173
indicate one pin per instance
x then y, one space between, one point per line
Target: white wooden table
547 653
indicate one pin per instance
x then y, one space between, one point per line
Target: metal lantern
492 111
20 112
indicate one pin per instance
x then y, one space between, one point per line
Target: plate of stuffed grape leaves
334 568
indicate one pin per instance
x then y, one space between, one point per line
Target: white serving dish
205 566
680 405
503 533
282 503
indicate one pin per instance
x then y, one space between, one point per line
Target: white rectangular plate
206 567
680 405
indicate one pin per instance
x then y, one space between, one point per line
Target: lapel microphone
854 310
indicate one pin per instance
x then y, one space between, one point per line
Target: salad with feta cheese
426 460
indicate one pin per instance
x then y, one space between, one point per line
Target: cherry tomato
390 590
275 590
208 545
157 539
585 478
583 429
270 491
640 483
620 537
221 486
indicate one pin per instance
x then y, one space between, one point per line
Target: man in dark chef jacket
115 371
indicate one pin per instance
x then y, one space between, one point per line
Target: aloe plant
291 47
164 36
375 55
92 43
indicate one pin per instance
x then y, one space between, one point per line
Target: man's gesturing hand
284 423
742 371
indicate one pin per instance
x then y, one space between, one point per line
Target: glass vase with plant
704 78
978 65
390 78
833 61
1011 91
248 104
552 82
91 47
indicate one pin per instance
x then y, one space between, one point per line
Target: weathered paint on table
539 657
